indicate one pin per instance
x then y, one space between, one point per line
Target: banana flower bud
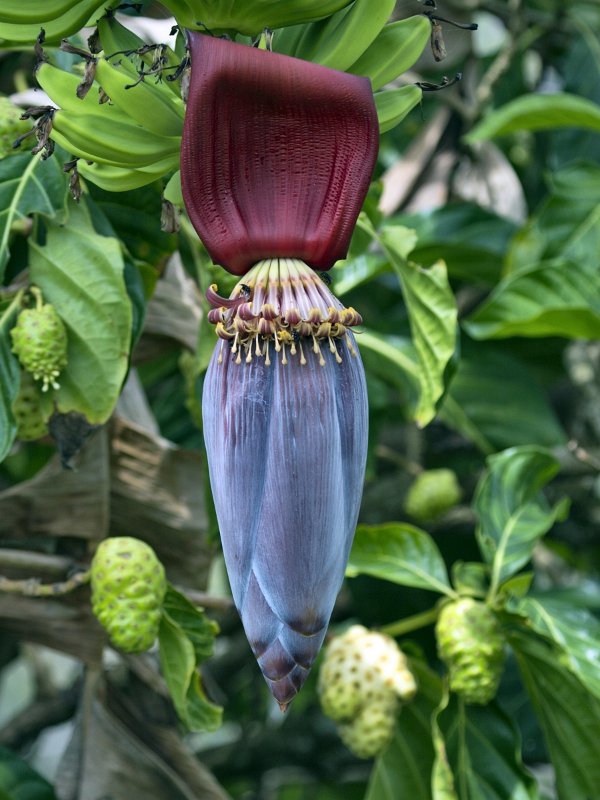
277 156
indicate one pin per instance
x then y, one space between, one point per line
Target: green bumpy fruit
362 681
370 732
128 589
11 126
30 411
432 494
471 644
40 343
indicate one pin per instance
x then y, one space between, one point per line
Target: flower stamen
282 301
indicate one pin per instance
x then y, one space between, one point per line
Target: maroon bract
277 155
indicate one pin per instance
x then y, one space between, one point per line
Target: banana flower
277 156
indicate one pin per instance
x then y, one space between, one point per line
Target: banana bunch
21 20
134 138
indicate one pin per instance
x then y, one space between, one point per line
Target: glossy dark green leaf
568 715
18 781
135 218
81 274
470 578
513 514
28 185
472 241
179 668
495 401
432 313
554 298
483 749
354 272
199 629
393 359
399 553
575 631
567 223
9 377
538 112
404 770
442 777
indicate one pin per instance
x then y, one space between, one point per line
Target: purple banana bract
285 426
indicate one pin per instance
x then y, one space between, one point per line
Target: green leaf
404 770
432 313
18 781
134 217
472 241
394 104
442 778
393 359
567 223
394 51
192 620
567 713
495 401
483 749
9 377
513 514
538 112
355 271
81 274
574 630
470 578
399 553
178 665
28 185
554 298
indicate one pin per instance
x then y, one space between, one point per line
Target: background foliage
475 268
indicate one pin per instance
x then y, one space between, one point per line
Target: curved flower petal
277 154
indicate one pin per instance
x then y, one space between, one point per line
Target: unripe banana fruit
471 645
128 588
363 679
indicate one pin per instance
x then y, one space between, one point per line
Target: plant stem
410 624
31 587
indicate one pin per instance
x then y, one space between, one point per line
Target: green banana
18 33
148 104
116 38
394 104
118 142
32 12
394 51
250 16
340 40
122 179
61 87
